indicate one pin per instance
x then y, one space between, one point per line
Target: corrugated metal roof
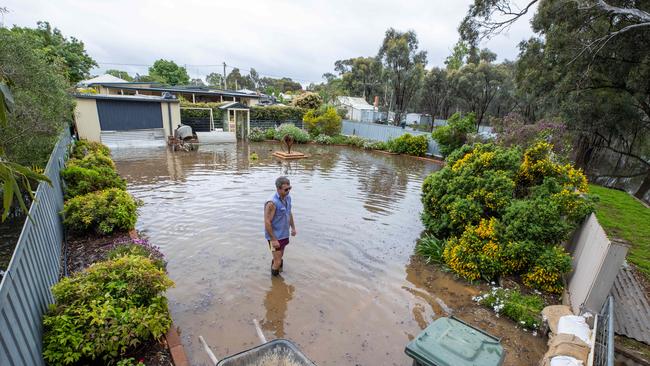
135 98
631 310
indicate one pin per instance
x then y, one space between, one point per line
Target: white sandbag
576 325
565 361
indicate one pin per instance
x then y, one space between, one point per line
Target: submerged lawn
621 215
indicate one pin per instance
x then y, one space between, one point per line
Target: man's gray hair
281 181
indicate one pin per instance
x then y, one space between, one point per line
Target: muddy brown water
352 293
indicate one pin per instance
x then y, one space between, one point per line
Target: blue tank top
280 221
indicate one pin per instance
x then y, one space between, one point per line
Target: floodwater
351 292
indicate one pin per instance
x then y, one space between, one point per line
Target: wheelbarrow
277 352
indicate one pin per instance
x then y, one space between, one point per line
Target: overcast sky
300 39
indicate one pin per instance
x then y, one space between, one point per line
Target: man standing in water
277 220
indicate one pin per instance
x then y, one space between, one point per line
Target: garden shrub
106 310
355 141
409 144
85 147
326 122
257 134
308 100
453 135
525 310
375 145
298 134
93 160
547 270
276 113
138 247
80 180
502 212
323 139
269 134
103 212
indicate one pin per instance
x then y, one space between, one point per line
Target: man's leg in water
277 259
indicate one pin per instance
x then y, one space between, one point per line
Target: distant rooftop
106 78
134 98
354 102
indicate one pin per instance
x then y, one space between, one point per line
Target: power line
307 81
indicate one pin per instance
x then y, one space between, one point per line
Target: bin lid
451 342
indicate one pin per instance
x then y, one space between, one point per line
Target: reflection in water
275 302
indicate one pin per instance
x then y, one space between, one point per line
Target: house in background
358 109
111 85
126 120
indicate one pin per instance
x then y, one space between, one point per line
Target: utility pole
224 74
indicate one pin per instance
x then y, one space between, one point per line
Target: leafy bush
546 271
326 122
277 113
308 100
523 309
80 180
323 139
501 212
257 134
355 141
85 147
93 160
453 135
138 247
106 310
409 144
375 145
431 249
298 134
269 134
103 212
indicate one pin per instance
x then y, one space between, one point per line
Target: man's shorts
283 243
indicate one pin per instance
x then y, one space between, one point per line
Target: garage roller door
118 115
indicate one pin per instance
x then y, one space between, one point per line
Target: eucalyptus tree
404 65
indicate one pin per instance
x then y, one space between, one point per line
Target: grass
431 249
622 216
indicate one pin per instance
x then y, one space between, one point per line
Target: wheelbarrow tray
282 348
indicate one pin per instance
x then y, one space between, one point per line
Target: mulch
82 251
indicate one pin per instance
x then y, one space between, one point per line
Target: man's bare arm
293 226
269 211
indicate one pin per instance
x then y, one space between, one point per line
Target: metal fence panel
377 132
604 344
34 268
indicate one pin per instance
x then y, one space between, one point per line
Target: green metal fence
34 268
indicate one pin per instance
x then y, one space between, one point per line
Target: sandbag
552 314
566 345
576 325
565 361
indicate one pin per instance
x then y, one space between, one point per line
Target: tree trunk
644 188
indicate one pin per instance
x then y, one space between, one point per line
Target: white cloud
298 39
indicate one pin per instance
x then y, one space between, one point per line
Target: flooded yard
351 292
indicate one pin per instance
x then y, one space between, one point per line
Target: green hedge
197 113
80 180
277 113
103 212
298 134
409 144
106 311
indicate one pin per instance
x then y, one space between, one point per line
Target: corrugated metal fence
384 133
34 268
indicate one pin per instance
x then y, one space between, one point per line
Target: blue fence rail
384 133
34 268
